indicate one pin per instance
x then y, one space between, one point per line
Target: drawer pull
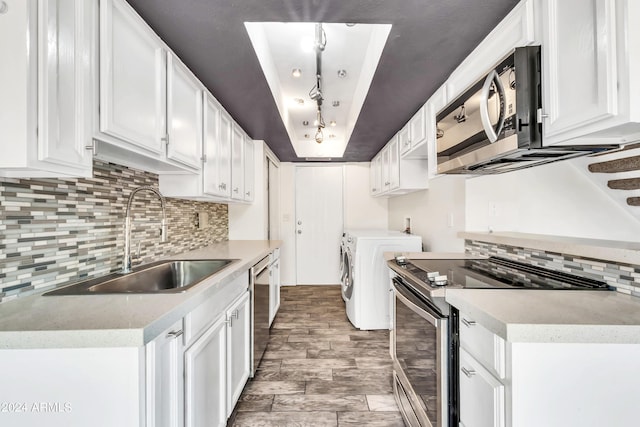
468 323
174 334
468 372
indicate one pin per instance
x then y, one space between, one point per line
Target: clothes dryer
367 283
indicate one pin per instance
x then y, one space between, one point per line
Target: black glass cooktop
498 272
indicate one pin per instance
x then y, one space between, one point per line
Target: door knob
299 222
299 231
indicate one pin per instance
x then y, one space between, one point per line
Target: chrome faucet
126 261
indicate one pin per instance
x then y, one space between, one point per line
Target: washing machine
366 282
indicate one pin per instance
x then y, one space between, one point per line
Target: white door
319 224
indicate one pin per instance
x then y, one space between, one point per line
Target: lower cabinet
195 378
482 400
274 290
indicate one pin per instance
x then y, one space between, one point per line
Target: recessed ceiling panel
287 55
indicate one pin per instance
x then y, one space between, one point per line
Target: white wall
555 199
437 214
361 210
249 222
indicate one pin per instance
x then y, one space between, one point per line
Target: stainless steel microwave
496 125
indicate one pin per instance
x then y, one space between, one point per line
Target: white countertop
609 250
552 316
119 320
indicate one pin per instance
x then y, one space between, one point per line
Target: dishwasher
259 288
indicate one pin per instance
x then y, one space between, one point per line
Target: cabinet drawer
482 396
199 319
484 345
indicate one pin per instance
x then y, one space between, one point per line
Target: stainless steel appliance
424 337
259 288
496 125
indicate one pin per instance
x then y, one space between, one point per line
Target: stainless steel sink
159 277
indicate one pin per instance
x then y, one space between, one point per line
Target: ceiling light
307 136
305 123
298 101
350 24
296 72
319 137
332 136
332 123
342 73
336 103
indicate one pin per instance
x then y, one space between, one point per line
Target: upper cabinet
392 175
249 170
237 163
133 80
46 87
591 83
216 170
184 115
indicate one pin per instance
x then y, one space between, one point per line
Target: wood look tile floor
318 370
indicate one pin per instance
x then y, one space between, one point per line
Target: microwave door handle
492 133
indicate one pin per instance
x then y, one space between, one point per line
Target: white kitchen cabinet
237 163
238 349
482 397
590 79
164 377
205 377
216 166
224 153
274 287
133 81
46 88
375 175
397 175
249 169
184 114
414 134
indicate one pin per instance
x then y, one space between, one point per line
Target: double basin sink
156 278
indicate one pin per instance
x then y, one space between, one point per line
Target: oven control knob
432 275
439 281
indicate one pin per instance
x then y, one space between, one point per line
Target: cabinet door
237 163
404 139
132 78
64 85
238 349
249 170
164 379
482 400
375 175
418 129
579 65
211 184
384 169
224 154
204 377
184 114
394 164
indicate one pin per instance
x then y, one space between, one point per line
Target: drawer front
199 319
482 396
482 344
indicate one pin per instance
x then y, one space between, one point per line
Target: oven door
420 343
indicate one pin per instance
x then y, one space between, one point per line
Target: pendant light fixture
316 92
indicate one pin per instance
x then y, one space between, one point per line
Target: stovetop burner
496 272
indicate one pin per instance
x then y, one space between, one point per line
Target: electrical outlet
450 220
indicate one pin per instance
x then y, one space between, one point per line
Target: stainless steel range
424 338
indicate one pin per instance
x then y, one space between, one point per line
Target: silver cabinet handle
229 322
235 190
235 314
468 323
91 146
468 372
248 193
175 334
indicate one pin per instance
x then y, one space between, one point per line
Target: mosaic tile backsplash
625 278
58 231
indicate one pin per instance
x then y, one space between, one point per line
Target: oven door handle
423 312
